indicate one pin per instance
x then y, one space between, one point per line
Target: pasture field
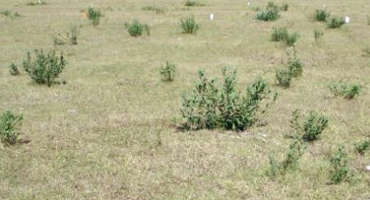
111 132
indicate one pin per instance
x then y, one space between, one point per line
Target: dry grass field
110 132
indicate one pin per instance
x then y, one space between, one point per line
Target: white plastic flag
211 16
347 19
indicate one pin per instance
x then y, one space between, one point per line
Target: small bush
348 91
44 68
68 37
291 39
362 146
192 3
13 69
157 10
335 22
339 170
318 34
135 28
94 15
168 72
8 127
283 77
210 106
268 15
311 128
279 34
295 66
189 25
322 15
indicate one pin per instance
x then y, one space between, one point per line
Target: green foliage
67 37
193 3
282 34
339 170
168 71
189 25
322 15
8 127
362 146
94 15
13 69
318 34
44 68
135 28
348 91
210 106
290 162
291 39
284 7
10 14
295 66
283 77
157 10
267 15
335 22
366 52
309 129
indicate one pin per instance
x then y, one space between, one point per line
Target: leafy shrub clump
283 77
210 106
311 128
44 68
339 167
9 127
362 146
335 22
94 15
282 34
189 25
295 66
135 28
322 15
168 72
348 91
13 69
268 15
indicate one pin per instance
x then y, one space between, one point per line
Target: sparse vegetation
44 68
157 10
135 28
168 71
346 90
35 3
335 22
189 25
339 171
9 127
10 14
94 15
13 69
193 3
322 15
285 7
282 34
318 35
309 129
283 77
362 146
295 66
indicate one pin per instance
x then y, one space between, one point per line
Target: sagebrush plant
283 77
168 72
210 106
189 25
44 68
310 128
346 90
267 14
13 69
94 15
339 170
322 15
135 28
9 124
362 146
335 22
318 34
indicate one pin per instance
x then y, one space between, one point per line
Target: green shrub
210 106
335 22
318 34
68 37
348 91
268 15
135 28
339 170
94 15
321 15
8 127
295 66
279 34
157 10
362 146
189 25
283 77
193 3
168 72
13 69
311 128
291 39
44 68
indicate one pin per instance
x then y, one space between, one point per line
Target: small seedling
13 69
362 146
189 25
9 124
94 15
168 72
348 91
135 28
193 3
157 10
322 15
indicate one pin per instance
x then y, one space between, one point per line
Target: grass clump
295 66
283 77
9 124
318 35
189 25
168 72
339 167
157 10
70 37
362 146
348 91
268 15
94 15
210 106
335 22
135 28
13 69
282 34
44 68
309 129
322 15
